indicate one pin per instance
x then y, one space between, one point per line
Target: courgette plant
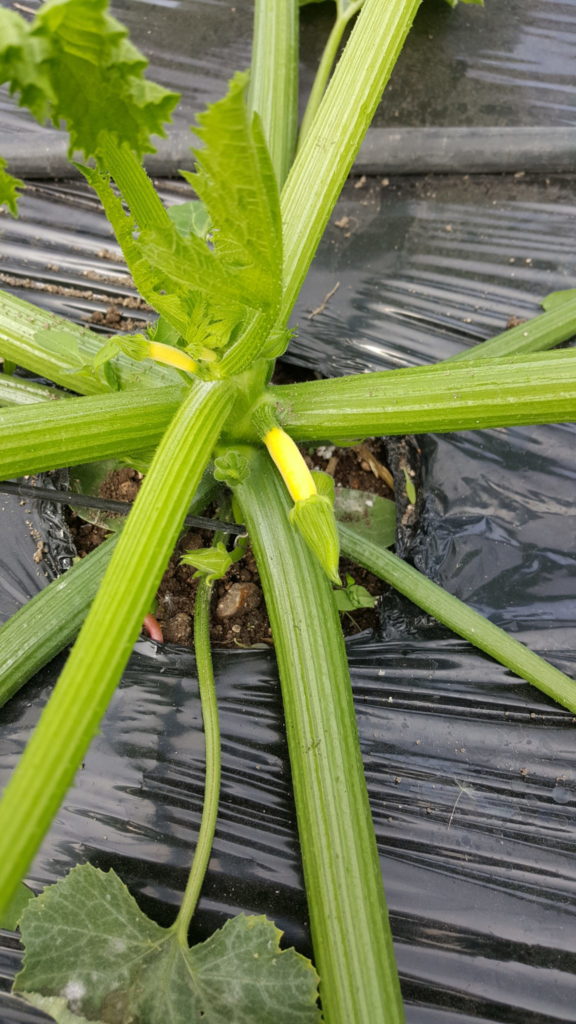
191 400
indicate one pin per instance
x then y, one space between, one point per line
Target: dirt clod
178 629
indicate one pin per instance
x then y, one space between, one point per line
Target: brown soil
239 617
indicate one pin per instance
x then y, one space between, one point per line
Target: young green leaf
92 953
353 596
213 563
74 63
236 182
49 345
182 278
231 468
81 367
9 189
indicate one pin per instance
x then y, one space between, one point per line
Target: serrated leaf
367 514
235 180
179 277
91 951
9 186
163 331
74 63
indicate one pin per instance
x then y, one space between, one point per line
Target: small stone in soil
240 598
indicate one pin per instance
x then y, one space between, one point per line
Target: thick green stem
350 930
274 78
51 619
54 434
209 703
459 617
75 709
20 391
325 66
536 388
330 147
535 335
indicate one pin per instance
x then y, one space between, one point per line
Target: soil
239 617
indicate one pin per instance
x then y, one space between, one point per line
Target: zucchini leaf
179 277
209 291
91 954
353 596
9 186
74 63
236 182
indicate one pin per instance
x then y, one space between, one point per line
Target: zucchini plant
191 400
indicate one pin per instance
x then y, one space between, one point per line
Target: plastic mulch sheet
471 772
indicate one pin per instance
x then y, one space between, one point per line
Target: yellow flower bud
290 463
171 356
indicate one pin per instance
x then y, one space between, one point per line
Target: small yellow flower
172 356
313 513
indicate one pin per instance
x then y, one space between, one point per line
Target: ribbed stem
20 391
535 335
459 617
350 930
22 342
328 151
537 388
325 66
74 711
50 620
54 434
274 78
